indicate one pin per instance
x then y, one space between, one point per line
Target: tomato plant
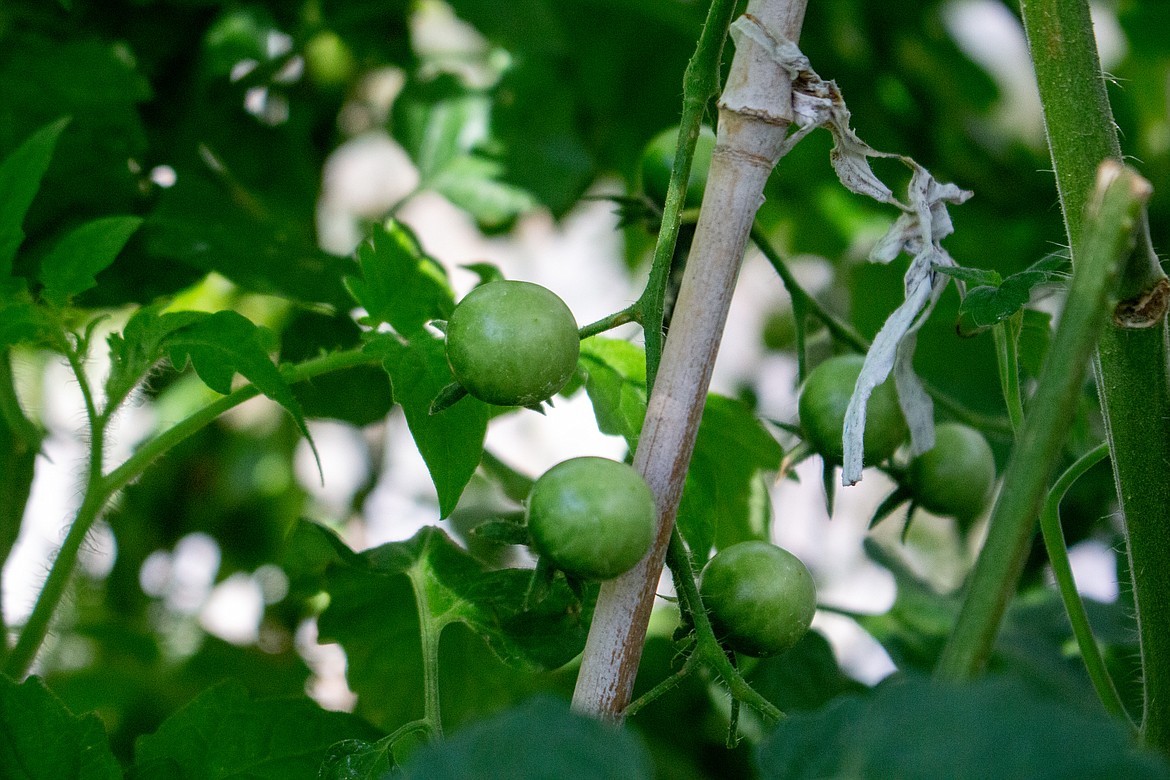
955 477
761 597
593 517
271 494
512 343
824 398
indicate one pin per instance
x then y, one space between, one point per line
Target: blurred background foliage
215 120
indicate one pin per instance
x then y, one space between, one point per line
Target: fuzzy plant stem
754 114
1108 238
1133 355
101 488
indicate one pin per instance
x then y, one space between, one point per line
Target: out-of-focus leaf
1035 336
918 728
451 442
731 451
556 743
92 78
71 265
803 678
224 733
474 183
975 276
44 741
22 320
20 176
399 284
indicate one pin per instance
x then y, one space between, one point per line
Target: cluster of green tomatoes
515 343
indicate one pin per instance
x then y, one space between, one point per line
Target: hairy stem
1107 240
748 144
700 85
1133 356
100 489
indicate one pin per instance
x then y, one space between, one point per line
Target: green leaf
723 502
399 285
615 380
355 759
22 320
224 733
451 442
458 588
473 183
987 305
372 613
44 740
227 343
975 276
439 121
141 345
918 728
541 739
71 265
20 177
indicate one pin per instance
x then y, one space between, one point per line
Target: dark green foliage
43 740
152 149
558 744
915 728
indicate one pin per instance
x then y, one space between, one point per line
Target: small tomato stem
626 315
664 687
1007 337
841 331
1062 572
430 631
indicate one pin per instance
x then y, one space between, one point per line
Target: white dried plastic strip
918 232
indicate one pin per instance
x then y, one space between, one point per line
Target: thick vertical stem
1105 243
753 120
1133 358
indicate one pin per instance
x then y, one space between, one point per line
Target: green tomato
761 598
512 343
824 399
329 60
658 160
955 477
594 518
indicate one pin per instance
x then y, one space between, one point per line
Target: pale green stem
1107 240
1067 585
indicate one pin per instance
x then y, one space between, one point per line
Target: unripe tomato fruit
592 517
512 343
658 160
761 598
824 399
954 478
